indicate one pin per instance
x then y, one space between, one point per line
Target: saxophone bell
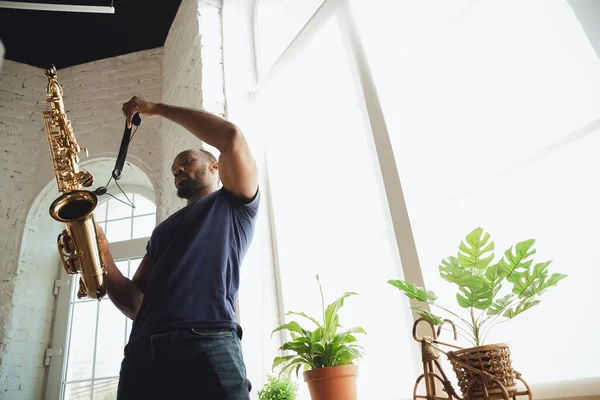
78 244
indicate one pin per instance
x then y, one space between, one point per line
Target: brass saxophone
78 244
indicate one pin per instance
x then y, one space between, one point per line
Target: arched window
95 333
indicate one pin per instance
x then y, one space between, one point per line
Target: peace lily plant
481 281
323 346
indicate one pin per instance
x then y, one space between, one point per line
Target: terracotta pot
332 383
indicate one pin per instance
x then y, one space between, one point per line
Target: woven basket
493 359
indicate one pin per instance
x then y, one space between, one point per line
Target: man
185 343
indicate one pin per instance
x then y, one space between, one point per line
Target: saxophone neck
54 92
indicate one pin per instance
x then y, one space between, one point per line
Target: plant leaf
303 315
453 272
474 253
493 278
330 324
535 282
499 305
477 296
292 326
280 360
512 265
429 317
412 291
522 306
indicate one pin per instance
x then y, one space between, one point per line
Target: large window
329 206
492 109
278 22
97 332
482 113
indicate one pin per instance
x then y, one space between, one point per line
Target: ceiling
71 38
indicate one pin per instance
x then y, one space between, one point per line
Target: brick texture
187 71
192 77
93 95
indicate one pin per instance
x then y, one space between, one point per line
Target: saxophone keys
66 243
81 293
66 251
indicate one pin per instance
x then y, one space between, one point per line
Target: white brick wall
192 77
93 95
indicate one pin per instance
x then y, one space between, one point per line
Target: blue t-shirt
195 258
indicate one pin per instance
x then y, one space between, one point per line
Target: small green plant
278 388
480 281
323 346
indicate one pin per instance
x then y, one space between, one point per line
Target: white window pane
123 267
341 228
143 205
100 211
106 389
117 209
128 333
119 230
78 391
143 226
278 23
133 266
81 349
109 350
494 124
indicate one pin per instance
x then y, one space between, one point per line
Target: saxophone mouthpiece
50 71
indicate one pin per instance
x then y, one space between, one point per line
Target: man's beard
188 188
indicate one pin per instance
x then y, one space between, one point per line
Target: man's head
196 173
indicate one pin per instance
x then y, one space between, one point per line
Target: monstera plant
325 352
489 291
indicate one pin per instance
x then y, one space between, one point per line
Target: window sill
588 388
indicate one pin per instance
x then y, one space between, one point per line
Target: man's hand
104 245
138 105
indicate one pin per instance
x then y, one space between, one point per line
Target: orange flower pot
332 383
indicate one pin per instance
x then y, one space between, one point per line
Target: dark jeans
185 364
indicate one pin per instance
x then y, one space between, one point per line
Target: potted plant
480 283
278 388
326 355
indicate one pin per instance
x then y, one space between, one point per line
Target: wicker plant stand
483 372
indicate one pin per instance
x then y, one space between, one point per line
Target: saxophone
78 244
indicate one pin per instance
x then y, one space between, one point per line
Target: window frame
340 9
392 180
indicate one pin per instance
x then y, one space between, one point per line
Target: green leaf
317 335
290 326
513 265
429 317
474 253
535 282
451 271
330 324
492 277
280 360
522 306
499 305
478 296
303 315
412 291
